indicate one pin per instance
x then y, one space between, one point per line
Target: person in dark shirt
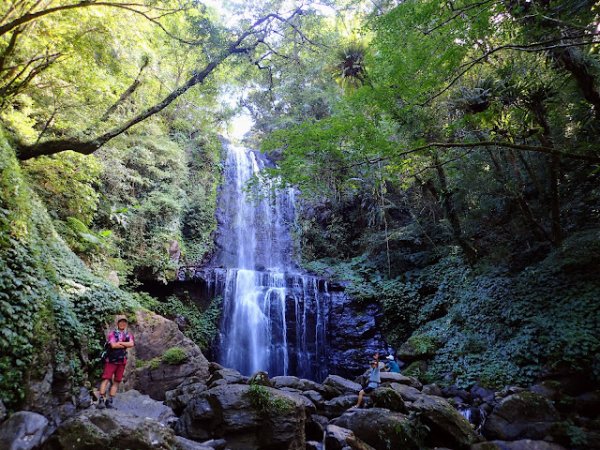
119 341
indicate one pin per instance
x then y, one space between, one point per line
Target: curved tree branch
87 147
523 147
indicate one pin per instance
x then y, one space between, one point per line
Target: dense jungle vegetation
445 151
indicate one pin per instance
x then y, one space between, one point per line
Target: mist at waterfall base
274 315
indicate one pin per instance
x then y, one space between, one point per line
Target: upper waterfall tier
254 219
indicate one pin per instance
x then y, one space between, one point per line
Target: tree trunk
573 60
451 213
539 110
536 228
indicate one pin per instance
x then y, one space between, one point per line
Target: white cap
390 357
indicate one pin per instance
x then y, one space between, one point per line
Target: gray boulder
295 383
99 429
260 378
226 376
408 393
342 385
315 427
154 335
519 416
316 398
447 426
248 417
525 444
178 398
314 445
380 428
23 430
182 443
338 438
140 405
432 389
392 377
338 405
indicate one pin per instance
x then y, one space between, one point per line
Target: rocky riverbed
200 405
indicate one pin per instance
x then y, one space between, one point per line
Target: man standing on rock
119 341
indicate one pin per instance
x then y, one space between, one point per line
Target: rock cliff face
327 332
147 371
354 335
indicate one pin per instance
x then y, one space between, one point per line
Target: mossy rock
388 398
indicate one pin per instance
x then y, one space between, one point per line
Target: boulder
248 417
295 383
432 389
178 398
391 377
216 444
328 392
380 428
187 444
522 415
385 397
338 405
525 444
316 398
260 378
409 394
447 426
314 445
342 385
547 388
154 335
136 404
23 430
226 376
460 395
338 438
315 427
98 429
483 394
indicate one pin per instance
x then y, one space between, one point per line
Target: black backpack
114 355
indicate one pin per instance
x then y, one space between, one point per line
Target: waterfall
274 315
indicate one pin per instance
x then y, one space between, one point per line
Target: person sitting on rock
119 341
373 383
391 365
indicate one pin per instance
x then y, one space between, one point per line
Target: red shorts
111 369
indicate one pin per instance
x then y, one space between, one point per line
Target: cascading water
274 316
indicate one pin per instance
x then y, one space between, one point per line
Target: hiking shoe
109 403
101 403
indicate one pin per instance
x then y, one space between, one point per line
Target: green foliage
203 324
265 403
67 184
198 221
44 288
174 356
